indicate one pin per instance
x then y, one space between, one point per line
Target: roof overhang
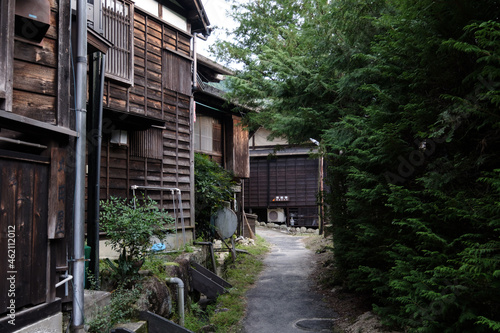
194 11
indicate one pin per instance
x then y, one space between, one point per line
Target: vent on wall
276 215
32 19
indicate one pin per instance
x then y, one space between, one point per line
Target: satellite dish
226 222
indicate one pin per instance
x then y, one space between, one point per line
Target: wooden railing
118 28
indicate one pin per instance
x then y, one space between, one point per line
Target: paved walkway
281 301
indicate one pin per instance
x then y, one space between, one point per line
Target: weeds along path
283 300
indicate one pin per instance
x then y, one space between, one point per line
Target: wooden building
218 129
146 133
147 103
36 153
140 131
284 183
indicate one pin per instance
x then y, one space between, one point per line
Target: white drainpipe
180 297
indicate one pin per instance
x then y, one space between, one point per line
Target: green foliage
213 186
405 97
130 227
120 310
241 275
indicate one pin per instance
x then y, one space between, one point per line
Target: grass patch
226 314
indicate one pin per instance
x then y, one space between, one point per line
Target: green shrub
213 186
120 310
130 227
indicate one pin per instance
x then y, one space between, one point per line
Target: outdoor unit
276 215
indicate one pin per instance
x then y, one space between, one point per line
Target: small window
118 16
177 72
148 143
207 134
7 8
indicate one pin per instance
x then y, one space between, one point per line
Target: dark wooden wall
293 176
36 186
161 93
24 188
237 155
41 72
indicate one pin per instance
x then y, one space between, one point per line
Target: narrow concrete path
282 300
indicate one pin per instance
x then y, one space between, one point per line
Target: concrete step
93 301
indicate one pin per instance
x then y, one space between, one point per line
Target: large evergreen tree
405 96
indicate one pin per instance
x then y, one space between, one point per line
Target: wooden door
23 231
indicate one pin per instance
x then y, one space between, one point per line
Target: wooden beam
16 122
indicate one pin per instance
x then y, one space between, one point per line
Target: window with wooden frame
208 135
148 143
7 9
177 75
118 27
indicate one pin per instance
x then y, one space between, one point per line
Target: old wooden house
284 183
36 152
147 119
218 129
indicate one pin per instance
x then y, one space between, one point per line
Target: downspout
81 129
94 161
180 297
192 119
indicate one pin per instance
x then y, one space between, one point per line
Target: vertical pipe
192 119
81 128
180 297
94 159
179 195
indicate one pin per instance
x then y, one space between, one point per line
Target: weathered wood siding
41 73
36 186
23 193
292 176
240 160
161 92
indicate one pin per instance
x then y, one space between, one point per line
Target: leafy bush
120 310
405 97
130 227
213 186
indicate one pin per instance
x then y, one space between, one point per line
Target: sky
217 15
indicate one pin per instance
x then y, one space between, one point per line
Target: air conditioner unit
276 215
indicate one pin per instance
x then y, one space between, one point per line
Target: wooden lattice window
118 27
148 143
6 53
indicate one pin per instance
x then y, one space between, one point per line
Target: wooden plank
211 275
23 175
30 316
35 106
7 9
57 194
158 324
45 54
63 61
35 78
8 184
39 248
205 285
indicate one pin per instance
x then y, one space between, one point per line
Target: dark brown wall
36 190
41 72
161 92
294 176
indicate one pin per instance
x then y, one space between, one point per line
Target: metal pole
81 128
